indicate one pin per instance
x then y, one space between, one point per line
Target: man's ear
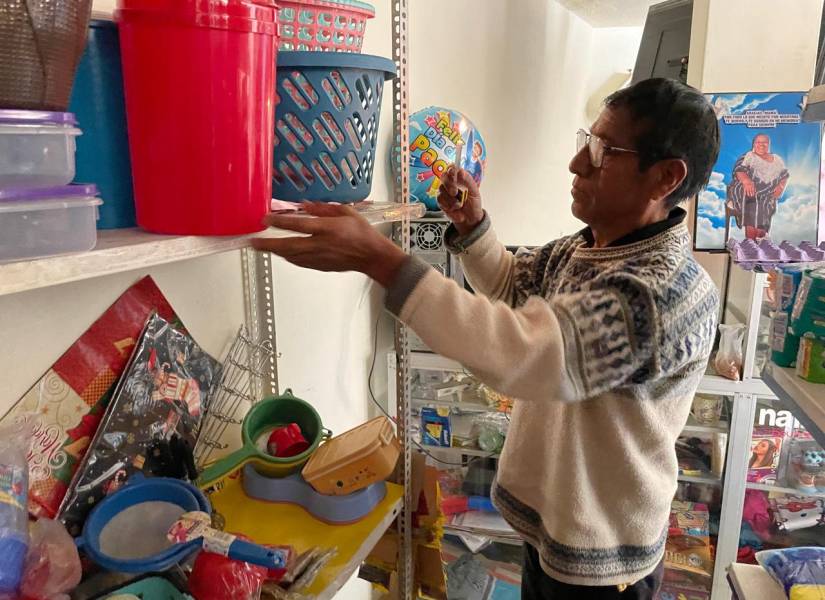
669 175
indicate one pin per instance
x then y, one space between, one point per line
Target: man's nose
580 163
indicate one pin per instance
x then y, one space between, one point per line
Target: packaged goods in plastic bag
490 429
728 360
52 564
800 571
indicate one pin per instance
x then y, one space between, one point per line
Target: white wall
522 71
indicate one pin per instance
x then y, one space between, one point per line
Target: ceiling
611 13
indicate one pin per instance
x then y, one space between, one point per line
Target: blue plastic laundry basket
326 125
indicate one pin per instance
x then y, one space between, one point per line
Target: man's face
762 145
617 189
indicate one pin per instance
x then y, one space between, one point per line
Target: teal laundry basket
103 149
326 125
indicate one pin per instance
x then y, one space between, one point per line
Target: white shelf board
493 538
806 400
778 489
710 384
695 428
714 384
752 582
433 362
474 407
705 480
460 451
120 250
362 554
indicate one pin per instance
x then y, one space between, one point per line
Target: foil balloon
437 135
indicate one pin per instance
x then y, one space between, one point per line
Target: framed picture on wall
766 181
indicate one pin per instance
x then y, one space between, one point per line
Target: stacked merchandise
135 379
66 405
40 213
790 511
470 513
798 323
688 553
110 432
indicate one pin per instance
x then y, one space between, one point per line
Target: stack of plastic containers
40 215
199 82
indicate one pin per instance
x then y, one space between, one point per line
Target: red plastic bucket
199 83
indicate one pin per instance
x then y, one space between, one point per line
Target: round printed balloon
435 133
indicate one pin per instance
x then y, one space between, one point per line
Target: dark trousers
537 585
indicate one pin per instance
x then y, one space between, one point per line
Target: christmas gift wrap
68 402
162 393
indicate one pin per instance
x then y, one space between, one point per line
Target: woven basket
40 46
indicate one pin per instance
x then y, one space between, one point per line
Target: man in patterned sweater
602 337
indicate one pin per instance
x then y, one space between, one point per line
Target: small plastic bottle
14 521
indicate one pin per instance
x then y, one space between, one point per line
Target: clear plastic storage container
47 221
37 148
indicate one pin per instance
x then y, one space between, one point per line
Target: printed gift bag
162 393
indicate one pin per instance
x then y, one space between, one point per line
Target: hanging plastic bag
52 564
728 361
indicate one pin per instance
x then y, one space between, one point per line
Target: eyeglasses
597 148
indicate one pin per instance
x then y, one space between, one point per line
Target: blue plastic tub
103 149
326 125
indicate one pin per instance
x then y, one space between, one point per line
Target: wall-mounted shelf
778 489
695 428
704 480
120 250
806 400
280 523
457 452
714 384
469 407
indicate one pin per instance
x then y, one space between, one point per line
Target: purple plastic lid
36 117
76 190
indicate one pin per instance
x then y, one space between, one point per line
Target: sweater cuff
410 274
457 243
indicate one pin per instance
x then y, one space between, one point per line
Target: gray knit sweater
604 349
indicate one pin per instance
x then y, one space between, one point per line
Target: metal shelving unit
119 251
401 186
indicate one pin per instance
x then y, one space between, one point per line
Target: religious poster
765 184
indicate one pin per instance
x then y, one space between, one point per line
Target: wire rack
238 388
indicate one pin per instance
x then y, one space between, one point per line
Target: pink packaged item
766 445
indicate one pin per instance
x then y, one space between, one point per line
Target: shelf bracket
259 300
401 188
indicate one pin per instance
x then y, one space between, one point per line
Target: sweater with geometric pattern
603 349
